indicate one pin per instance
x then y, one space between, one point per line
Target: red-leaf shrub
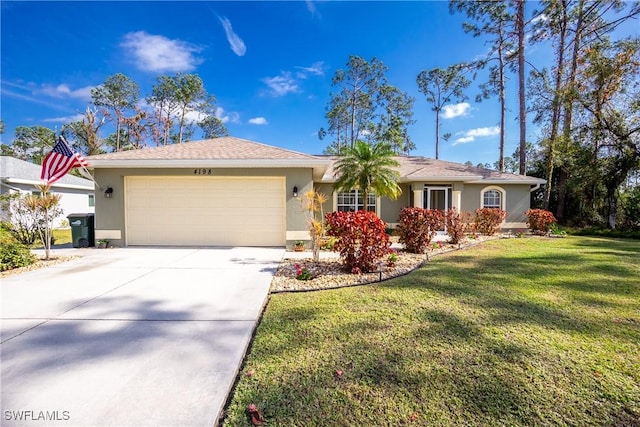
417 226
362 239
457 224
539 220
487 220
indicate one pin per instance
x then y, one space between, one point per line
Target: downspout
534 188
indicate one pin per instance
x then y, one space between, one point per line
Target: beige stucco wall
110 216
517 200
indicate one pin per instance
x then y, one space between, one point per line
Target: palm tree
369 168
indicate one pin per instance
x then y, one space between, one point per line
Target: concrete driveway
130 337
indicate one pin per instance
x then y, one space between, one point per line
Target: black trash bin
82 230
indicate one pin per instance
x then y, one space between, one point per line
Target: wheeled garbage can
82 230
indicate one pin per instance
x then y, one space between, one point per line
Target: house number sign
203 171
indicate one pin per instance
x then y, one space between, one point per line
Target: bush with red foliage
417 226
487 220
540 220
362 239
457 224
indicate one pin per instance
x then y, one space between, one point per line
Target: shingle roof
417 168
224 148
12 168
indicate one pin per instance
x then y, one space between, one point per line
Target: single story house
234 192
19 176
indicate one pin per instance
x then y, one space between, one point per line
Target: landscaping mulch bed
331 273
40 263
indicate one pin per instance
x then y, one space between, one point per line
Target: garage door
219 211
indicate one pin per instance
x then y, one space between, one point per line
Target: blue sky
269 64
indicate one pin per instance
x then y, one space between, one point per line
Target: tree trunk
521 88
555 117
503 107
437 133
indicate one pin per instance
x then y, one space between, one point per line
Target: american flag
60 161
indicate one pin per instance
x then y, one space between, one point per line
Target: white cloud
258 121
311 7
316 69
471 135
237 45
282 84
64 91
456 110
159 54
66 119
231 117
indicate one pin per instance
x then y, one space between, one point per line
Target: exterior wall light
295 191
108 193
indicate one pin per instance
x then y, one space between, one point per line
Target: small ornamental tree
361 239
312 204
417 227
457 224
539 220
487 220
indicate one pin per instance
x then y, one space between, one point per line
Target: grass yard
514 332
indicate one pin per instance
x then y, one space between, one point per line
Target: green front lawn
513 332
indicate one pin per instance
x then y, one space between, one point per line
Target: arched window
493 197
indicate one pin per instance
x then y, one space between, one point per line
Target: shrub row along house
234 192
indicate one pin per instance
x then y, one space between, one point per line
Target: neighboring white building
78 194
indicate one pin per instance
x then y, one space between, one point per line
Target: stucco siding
110 212
517 199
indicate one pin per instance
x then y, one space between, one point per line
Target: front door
438 198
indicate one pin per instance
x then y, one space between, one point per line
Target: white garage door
222 211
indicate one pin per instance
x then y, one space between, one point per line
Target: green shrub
417 227
487 220
14 254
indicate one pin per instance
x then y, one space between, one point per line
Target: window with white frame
493 197
351 201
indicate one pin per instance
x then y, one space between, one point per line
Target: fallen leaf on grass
256 417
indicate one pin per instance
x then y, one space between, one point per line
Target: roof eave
319 166
54 185
529 181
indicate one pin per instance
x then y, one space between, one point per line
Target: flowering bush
303 273
487 220
457 224
539 220
361 239
417 226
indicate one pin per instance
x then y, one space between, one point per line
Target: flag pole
83 166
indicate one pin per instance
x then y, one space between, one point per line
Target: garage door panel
229 211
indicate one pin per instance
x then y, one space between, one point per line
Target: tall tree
32 143
395 117
352 110
522 108
117 95
177 99
213 127
369 167
442 86
495 20
610 93
83 135
191 97
165 105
